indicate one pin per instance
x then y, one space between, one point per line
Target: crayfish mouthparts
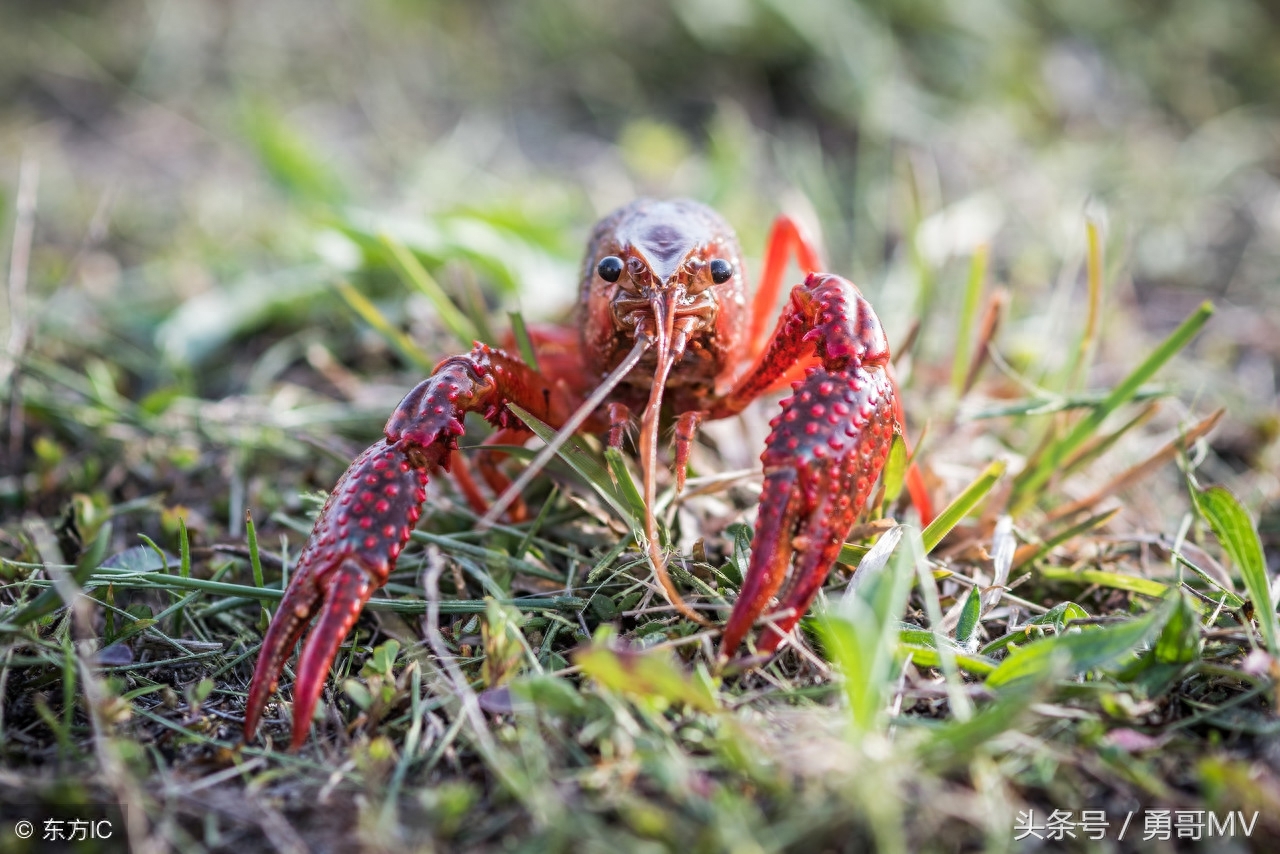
676 269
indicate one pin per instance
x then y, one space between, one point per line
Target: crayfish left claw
360 531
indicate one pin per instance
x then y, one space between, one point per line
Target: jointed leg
787 237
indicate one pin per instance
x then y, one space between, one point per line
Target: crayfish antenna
570 427
649 459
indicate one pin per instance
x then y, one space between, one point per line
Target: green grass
538 694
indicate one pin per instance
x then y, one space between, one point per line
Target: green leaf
895 469
964 331
1239 538
288 157
416 276
1080 653
523 342
623 480
1056 618
860 636
551 693
962 506
926 655
955 741
969 616
651 677
1179 641
395 339
358 693
1114 580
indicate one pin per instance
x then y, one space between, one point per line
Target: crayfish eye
610 268
721 270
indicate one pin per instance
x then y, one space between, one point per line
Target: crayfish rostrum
663 330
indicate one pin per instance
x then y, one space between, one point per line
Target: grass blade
861 636
395 339
1083 651
972 291
416 276
587 465
1029 486
962 506
1239 538
523 342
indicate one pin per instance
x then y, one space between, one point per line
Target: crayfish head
671 272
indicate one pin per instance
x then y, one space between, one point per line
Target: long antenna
570 427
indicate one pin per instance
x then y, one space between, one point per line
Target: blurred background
200 174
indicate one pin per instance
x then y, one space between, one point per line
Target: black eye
721 271
610 268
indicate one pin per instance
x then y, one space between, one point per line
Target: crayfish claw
349 588
821 461
296 609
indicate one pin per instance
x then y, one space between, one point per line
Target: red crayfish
662 329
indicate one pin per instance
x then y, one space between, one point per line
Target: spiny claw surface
825 451
362 528
371 513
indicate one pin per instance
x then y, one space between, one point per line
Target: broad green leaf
1057 618
1104 646
969 616
651 677
924 655
1179 641
551 693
